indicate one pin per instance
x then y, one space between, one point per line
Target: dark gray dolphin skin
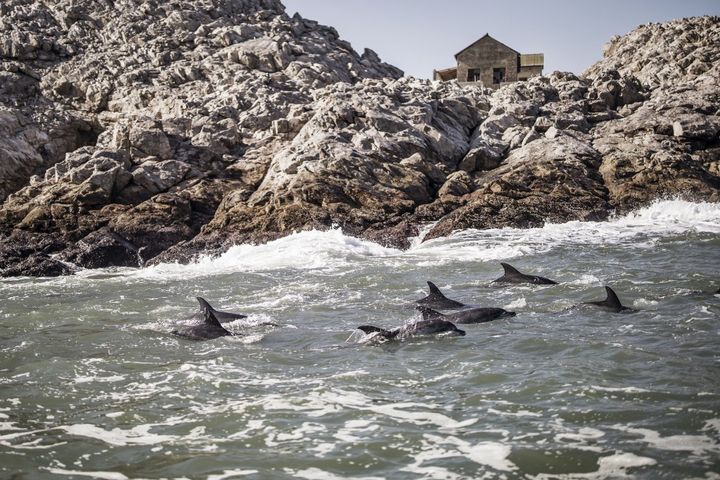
209 329
223 317
611 303
512 275
422 327
436 299
464 317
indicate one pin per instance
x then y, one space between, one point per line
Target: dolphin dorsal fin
434 290
204 305
209 313
211 319
612 299
428 313
510 270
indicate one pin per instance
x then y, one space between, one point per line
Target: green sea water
93 385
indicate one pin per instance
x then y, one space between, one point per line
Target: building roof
532 60
487 35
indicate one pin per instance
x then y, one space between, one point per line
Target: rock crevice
133 135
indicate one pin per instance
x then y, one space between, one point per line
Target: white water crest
309 250
661 219
331 250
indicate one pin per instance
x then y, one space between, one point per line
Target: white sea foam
318 474
518 303
231 474
581 436
89 379
331 250
696 444
519 413
397 411
309 250
619 389
610 466
490 454
139 435
661 219
77 473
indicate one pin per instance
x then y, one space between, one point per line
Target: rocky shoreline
132 135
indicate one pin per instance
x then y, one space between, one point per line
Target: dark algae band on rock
204 124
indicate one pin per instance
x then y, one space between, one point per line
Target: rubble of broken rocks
135 133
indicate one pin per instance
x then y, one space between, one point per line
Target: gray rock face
134 132
662 54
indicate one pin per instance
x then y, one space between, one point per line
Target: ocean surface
93 385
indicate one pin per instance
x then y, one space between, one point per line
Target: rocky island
136 132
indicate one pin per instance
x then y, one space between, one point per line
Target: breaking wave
331 250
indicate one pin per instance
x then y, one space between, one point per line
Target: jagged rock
661 54
548 180
156 177
146 132
30 255
37 266
637 172
696 126
102 249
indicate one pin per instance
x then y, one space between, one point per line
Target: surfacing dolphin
611 303
436 299
512 275
223 317
464 317
209 329
433 326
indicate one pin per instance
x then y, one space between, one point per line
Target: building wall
485 55
527 72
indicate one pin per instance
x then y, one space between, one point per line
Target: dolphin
611 303
209 329
421 327
473 315
513 276
223 317
436 299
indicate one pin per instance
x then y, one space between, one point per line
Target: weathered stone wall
487 54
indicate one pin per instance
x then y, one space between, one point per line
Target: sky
421 35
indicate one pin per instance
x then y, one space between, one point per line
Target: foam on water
232 474
139 435
696 444
661 219
77 473
309 250
93 382
331 250
318 474
615 465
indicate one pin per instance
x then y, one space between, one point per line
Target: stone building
492 63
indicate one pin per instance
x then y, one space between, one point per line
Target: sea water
93 385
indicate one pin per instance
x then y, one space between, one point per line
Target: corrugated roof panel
532 60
